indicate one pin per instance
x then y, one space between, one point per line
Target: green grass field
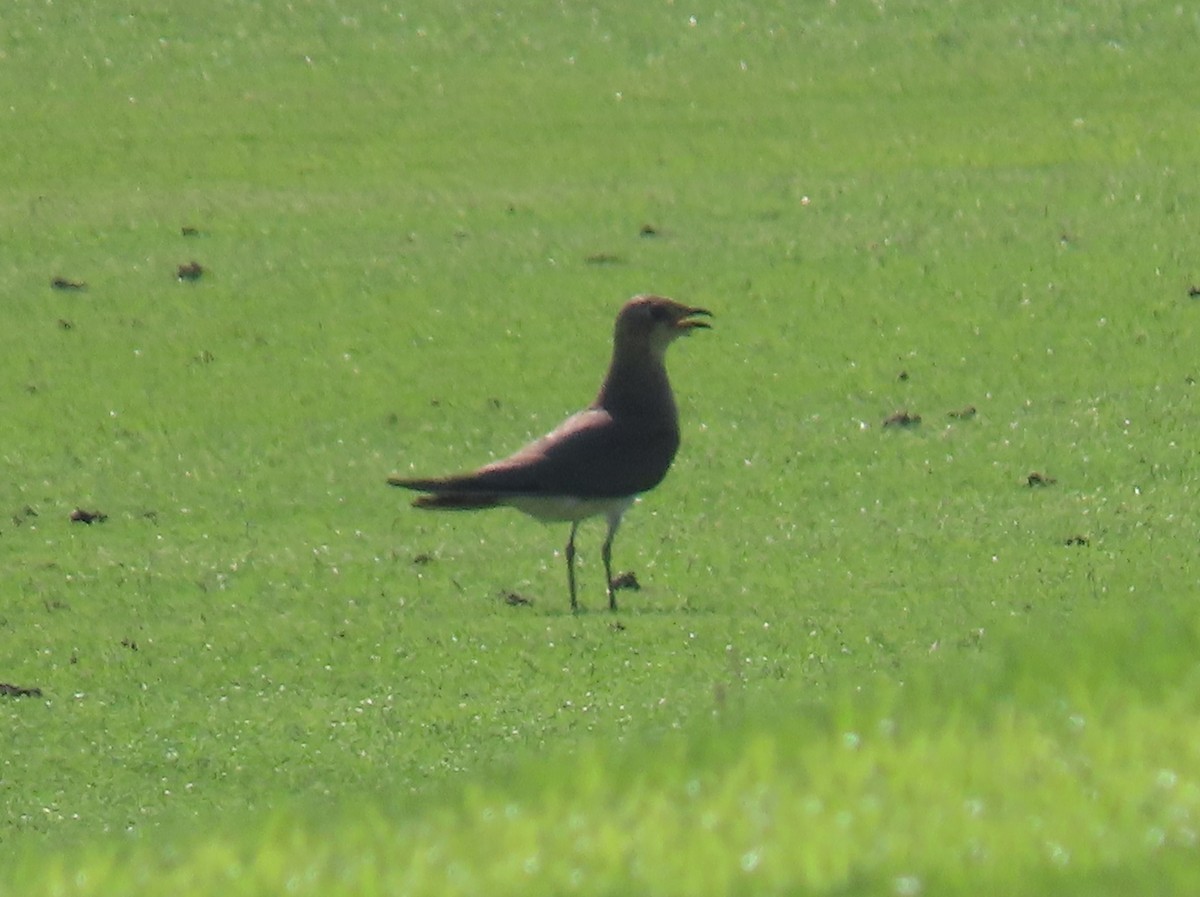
955 657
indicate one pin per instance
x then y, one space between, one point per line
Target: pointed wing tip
421 501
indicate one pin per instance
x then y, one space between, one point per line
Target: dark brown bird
597 461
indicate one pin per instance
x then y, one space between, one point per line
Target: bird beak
685 322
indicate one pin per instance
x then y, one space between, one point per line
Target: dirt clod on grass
82 515
1036 479
627 580
19 691
65 283
190 271
902 418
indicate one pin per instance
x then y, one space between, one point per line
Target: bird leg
606 554
571 565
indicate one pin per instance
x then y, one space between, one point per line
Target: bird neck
636 386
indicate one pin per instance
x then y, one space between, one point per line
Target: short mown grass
870 654
1049 770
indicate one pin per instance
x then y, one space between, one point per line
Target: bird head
651 323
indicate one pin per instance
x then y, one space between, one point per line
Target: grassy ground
866 658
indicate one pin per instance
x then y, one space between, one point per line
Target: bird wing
590 455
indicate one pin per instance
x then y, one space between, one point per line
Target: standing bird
599 460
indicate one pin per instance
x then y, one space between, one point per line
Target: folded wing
591 455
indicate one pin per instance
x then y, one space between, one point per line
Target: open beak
686 321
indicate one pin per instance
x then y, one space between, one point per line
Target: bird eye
659 312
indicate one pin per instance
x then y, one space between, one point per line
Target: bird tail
455 501
439 499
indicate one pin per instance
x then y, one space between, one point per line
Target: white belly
567 508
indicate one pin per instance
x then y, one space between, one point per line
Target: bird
599 460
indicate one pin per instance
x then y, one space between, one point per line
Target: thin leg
571 565
606 553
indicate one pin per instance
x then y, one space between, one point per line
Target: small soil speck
190 271
1039 479
603 258
81 515
19 691
902 419
627 580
